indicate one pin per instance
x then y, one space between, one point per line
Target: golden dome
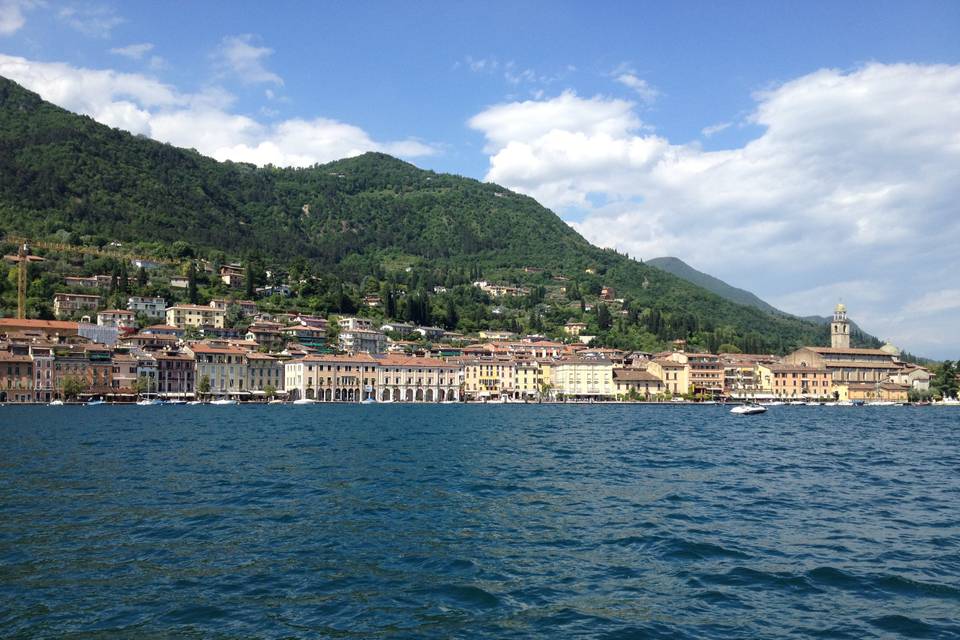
841 308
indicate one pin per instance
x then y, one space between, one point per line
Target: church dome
841 308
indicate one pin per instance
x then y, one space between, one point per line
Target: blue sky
746 138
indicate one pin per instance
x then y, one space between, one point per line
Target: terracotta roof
199 347
790 368
50 325
858 352
360 358
634 375
409 361
669 364
259 356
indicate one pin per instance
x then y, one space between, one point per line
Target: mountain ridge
681 269
67 177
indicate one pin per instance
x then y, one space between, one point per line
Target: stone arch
350 395
294 394
327 395
441 396
396 395
409 395
385 395
419 395
310 393
429 395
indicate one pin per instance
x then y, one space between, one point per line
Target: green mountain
681 269
345 229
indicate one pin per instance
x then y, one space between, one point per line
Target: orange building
793 381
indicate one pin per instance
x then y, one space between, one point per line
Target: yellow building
636 383
674 375
225 368
527 380
194 315
583 378
865 392
797 382
488 379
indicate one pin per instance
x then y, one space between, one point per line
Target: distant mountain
681 269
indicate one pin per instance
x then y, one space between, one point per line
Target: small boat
277 401
305 401
775 403
368 401
95 403
55 403
223 402
176 401
149 402
844 403
748 409
192 402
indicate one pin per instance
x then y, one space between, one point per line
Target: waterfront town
187 352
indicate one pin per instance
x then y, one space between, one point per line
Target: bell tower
840 328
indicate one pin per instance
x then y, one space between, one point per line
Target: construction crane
23 261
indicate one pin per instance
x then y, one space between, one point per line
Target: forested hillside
339 231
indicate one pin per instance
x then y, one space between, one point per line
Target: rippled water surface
479 521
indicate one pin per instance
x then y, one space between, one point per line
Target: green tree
73 386
944 380
192 285
142 277
604 320
270 391
204 385
450 315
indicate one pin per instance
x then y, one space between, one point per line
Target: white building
362 341
153 308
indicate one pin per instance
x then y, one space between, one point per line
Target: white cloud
854 178
714 129
95 21
133 51
935 301
639 86
202 121
239 57
11 15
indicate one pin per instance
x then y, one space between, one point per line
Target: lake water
479 521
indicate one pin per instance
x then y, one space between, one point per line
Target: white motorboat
748 409
55 403
305 401
223 402
175 402
193 402
95 403
277 401
149 402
